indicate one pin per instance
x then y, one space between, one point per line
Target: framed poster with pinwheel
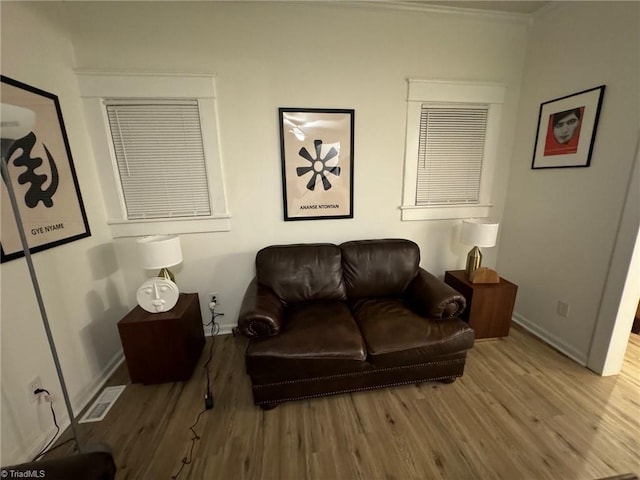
317 163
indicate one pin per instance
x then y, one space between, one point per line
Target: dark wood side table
489 305
163 347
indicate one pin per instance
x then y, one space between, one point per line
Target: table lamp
160 252
159 294
15 122
479 232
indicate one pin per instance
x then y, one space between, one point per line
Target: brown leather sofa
324 319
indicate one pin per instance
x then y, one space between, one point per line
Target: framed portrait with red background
567 130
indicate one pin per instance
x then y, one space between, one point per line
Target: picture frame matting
43 177
567 130
317 163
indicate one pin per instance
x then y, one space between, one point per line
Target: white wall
561 226
267 56
264 56
81 282
622 291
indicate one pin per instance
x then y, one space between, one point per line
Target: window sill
138 228
440 212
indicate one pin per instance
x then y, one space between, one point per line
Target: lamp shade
15 122
480 232
160 251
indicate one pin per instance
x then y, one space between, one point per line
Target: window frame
95 88
455 94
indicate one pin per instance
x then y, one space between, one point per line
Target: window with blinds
450 154
160 158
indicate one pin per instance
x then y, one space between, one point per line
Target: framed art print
317 163
567 130
42 174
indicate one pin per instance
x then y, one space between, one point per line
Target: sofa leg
448 380
269 406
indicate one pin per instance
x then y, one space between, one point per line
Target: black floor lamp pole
36 288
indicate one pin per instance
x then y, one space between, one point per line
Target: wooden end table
489 305
163 347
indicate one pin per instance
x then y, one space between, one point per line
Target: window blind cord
124 146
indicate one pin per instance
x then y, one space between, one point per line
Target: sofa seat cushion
317 339
395 335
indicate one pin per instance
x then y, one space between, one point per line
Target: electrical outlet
214 297
32 387
563 309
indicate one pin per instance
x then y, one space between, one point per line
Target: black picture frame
48 192
567 130
317 153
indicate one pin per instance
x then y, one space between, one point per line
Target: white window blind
160 158
450 154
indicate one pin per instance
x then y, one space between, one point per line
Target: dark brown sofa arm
260 312
433 298
95 463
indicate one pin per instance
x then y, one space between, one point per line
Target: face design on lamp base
157 295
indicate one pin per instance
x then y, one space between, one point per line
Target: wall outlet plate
563 309
33 386
215 295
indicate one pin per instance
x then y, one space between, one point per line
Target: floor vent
103 404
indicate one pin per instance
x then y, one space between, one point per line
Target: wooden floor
521 411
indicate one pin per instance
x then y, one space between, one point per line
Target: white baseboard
81 401
551 339
78 403
225 329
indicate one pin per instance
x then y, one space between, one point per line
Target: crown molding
546 9
398 5
413 6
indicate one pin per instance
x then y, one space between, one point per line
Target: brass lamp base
474 260
166 274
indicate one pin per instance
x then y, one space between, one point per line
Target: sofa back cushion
379 268
302 273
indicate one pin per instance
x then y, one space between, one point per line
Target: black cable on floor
194 438
215 328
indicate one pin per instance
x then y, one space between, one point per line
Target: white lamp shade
15 122
160 251
480 232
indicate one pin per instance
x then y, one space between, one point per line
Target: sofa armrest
433 298
260 312
95 463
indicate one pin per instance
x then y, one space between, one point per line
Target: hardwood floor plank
522 411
